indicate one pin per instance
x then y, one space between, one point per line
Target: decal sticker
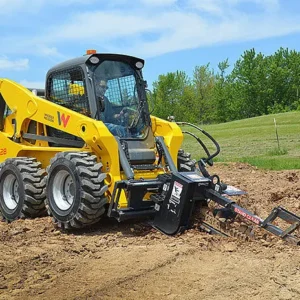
63 119
217 188
165 187
254 219
49 118
177 189
174 200
233 191
194 176
3 151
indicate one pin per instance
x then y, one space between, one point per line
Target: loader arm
25 105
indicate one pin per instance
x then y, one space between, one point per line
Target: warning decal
177 189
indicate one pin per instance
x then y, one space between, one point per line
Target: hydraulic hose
210 156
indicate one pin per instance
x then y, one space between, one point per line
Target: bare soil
133 261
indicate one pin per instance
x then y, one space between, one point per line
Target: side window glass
67 89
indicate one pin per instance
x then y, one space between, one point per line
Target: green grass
277 151
254 141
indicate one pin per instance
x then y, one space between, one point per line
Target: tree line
256 85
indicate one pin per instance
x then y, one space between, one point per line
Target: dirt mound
133 261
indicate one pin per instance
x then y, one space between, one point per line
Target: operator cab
108 88
119 90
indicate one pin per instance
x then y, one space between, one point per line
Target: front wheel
75 189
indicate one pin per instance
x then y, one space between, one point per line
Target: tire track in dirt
123 281
133 261
217 274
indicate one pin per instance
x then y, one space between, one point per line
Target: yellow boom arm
25 105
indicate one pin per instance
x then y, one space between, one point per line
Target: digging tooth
244 233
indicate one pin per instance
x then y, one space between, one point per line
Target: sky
170 35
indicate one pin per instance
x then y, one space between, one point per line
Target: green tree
222 94
168 92
257 85
283 80
249 78
203 81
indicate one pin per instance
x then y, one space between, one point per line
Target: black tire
75 190
184 162
22 188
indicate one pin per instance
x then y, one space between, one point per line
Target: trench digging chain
243 232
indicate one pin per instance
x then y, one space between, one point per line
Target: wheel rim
63 190
11 191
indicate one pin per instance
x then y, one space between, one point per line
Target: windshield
116 86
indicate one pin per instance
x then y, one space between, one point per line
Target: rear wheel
75 189
22 188
184 162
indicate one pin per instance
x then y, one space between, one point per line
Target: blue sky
169 34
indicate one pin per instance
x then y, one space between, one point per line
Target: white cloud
206 34
215 7
44 50
35 6
146 30
33 84
12 6
268 5
158 2
106 25
173 29
71 2
33 46
227 8
13 65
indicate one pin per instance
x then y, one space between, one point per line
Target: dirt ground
133 261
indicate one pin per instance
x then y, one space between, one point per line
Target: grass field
254 141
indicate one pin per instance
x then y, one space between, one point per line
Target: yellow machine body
25 107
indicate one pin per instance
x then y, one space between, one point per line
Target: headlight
94 60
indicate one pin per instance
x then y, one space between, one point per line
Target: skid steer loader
88 146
